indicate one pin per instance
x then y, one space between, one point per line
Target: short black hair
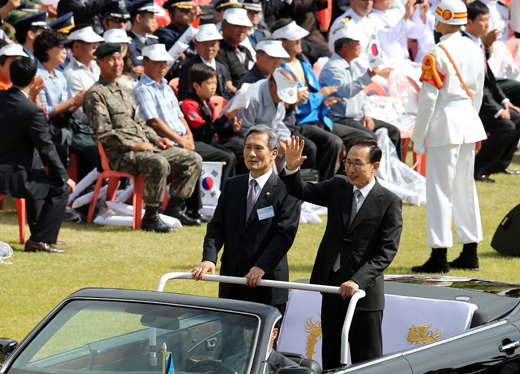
22 71
374 150
200 73
133 16
282 22
47 40
475 9
21 36
338 44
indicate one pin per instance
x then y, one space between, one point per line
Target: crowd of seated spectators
240 46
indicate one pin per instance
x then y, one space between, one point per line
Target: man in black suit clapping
256 220
361 239
25 150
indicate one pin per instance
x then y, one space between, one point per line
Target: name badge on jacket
265 213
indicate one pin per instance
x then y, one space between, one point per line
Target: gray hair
274 139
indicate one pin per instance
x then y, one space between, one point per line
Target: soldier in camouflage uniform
131 146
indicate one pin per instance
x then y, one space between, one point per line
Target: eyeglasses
357 165
115 20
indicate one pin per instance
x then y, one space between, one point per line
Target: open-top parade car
448 325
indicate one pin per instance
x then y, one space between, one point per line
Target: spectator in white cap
353 110
207 45
269 54
287 29
131 73
236 58
267 106
8 53
82 71
159 108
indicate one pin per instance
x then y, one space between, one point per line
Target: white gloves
419 148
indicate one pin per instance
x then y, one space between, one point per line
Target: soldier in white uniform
498 18
449 103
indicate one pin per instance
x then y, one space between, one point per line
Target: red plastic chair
72 170
512 46
20 207
375 88
174 84
113 179
220 103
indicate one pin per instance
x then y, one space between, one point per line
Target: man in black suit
256 220
25 150
500 117
355 249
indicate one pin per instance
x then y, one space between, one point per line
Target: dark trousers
216 152
499 148
236 146
85 146
365 335
45 215
314 51
393 132
322 148
511 89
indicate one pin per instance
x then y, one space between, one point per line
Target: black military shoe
198 215
465 262
433 265
152 222
176 212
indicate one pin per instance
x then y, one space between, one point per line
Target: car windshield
118 337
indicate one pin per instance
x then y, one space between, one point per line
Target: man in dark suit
256 220
500 117
25 150
363 231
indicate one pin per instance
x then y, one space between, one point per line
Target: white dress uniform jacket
447 115
498 18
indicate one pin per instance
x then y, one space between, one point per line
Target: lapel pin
268 193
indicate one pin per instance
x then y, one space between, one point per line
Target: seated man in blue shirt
158 106
353 110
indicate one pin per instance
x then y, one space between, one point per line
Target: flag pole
164 356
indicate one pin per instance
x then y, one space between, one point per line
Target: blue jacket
312 110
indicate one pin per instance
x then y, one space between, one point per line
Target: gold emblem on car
421 334
314 330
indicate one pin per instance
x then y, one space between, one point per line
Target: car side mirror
295 370
6 347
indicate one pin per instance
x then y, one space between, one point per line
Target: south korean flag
210 176
375 54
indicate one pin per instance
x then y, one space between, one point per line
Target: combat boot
468 259
152 222
436 263
174 209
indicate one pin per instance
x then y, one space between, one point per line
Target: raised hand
293 153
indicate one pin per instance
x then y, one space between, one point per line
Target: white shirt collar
262 180
366 189
213 64
473 37
25 93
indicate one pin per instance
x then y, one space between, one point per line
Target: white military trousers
451 192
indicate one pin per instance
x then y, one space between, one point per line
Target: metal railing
359 294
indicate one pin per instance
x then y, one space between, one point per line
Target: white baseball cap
85 34
349 32
12 50
286 89
237 16
116 36
290 32
156 52
273 48
207 32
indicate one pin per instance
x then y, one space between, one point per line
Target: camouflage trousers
155 167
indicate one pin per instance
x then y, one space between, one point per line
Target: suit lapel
261 202
371 202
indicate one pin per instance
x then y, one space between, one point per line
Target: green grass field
116 257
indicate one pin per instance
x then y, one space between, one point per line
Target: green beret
108 49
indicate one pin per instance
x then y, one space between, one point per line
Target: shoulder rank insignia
430 73
345 20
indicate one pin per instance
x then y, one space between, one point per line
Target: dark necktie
251 198
355 204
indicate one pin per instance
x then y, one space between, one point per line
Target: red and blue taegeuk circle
207 183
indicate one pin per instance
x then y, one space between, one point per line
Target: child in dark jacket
207 129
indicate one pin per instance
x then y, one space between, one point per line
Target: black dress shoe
432 265
465 262
198 215
484 178
510 172
31 246
176 212
152 222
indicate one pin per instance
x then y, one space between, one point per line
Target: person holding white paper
179 11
